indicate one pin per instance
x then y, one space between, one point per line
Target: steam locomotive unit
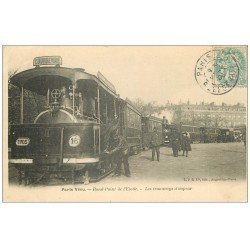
67 139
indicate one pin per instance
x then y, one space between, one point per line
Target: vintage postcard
125 123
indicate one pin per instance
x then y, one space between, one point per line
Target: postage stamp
220 70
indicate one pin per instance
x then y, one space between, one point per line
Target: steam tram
67 139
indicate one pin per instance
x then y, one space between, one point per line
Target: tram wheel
86 178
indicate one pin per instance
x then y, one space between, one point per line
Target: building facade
210 114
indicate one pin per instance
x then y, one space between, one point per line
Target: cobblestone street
211 172
221 160
215 160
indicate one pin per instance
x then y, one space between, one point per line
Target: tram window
133 119
129 118
149 126
65 99
152 125
85 103
109 108
159 127
144 126
34 104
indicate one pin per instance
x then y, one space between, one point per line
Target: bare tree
13 100
150 108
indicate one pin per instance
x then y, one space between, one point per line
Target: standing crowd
119 150
179 141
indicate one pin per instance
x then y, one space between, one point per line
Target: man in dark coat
155 144
186 144
121 154
175 143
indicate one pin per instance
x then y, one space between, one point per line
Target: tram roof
193 126
156 119
132 106
79 76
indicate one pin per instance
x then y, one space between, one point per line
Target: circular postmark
216 74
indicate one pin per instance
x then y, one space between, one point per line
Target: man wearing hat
186 144
120 152
155 144
175 142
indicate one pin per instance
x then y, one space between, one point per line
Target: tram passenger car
240 133
225 135
208 135
148 125
130 126
68 136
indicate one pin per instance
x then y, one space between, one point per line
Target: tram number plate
22 141
74 140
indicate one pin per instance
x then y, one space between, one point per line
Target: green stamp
231 67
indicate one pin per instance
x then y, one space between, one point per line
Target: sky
151 73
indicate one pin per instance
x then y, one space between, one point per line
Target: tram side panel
132 129
148 125
44 144
146 136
